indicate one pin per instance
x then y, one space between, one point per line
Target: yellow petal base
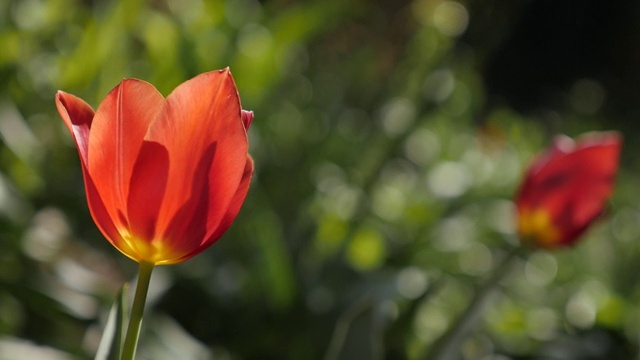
535 227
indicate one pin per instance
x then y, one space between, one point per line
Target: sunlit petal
77 115
164 177
116 137
147 189
236 203
201 127
230 215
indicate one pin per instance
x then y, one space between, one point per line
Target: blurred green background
389 138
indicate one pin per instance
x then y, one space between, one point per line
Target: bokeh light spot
397 116
542 323
476 260
254 40
541 268
454 234
581 310
449 179
422 147
439 85
587 96
451 18
388 203
412 282
366 250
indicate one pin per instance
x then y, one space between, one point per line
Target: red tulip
164 178
566 189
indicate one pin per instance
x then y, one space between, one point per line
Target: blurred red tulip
164 178
566 189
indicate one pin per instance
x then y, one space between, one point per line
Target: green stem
341 330
137 311
449 345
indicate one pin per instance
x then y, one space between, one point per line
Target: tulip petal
247 118
236 202
581 201
99 212
188 225
147 189
116 137
164 177
230 215
77 115
202 129
572 182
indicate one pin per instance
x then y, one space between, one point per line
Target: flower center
535 226
156 252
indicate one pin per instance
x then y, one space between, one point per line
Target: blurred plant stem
137 311
449 345
341 330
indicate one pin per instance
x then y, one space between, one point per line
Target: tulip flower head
566 189
164 177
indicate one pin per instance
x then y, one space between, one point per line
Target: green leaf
111 342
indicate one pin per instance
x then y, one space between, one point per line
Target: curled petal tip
563 143
247 118
226 71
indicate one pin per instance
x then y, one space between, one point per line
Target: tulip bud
566 189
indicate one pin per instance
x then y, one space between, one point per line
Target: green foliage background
385 170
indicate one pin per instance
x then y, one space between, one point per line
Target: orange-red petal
572 182
116 136
164 177
78 117
236 203
230 215
201 127
147 189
